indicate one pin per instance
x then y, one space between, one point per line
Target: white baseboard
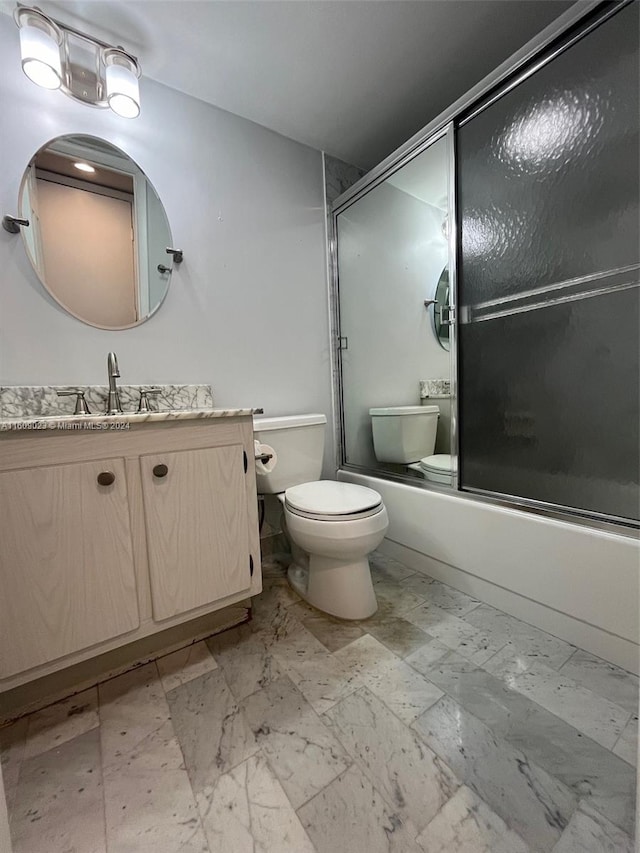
593 639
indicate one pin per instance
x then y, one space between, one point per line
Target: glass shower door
548 281
393 257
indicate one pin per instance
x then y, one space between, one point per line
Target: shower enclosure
491 269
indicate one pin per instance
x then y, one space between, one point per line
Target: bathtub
577 582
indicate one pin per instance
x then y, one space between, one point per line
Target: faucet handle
81 404
143 405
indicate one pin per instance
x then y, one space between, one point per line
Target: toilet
406 435
333 526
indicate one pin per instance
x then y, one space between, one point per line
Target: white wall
576 582
391 255
247 310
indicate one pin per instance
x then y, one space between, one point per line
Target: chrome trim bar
550 288
335 350
367 182
536 306
582 287
557 510
453 299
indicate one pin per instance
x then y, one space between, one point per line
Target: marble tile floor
438 725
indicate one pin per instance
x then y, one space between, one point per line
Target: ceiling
355 78
102 176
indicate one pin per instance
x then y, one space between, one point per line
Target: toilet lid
328 497
440 463
394 411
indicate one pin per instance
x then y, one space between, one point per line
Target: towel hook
176 253
12 224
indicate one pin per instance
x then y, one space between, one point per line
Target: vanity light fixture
86 69
84 167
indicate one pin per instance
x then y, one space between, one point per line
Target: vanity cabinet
108 536
66 562
196 517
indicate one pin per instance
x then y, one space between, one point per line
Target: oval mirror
98 232
441 310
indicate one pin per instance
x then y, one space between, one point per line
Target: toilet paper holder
263 457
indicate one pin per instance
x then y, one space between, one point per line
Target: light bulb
40 50
123 92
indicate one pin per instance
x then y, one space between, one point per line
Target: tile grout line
266 759
582 734
294 810
17 782
362 685
175 734
567 660
501 738
231 767
102 785
619 738
584 687
322 790
484 665
322 717
411 731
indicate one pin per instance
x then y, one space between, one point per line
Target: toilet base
339 587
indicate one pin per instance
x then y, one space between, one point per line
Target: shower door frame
480 96
444 132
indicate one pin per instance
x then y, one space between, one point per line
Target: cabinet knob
106 478
160 470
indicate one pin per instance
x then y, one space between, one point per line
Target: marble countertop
121 421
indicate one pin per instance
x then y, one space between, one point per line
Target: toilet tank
298 441
404 434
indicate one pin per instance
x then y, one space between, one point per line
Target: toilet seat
440 463
437 468
328 500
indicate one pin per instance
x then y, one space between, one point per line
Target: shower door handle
447 315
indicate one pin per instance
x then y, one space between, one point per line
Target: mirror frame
439 306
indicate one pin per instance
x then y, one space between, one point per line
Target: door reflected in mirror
98 232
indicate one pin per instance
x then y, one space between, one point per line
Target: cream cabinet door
66 562
197 527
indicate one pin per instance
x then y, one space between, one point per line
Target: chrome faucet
113 400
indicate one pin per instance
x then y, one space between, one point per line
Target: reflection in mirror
441 310
392 247
98 234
